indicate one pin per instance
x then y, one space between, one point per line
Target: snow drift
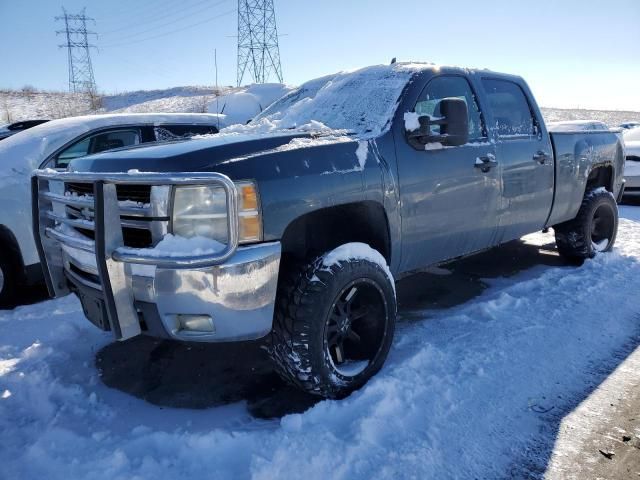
462 395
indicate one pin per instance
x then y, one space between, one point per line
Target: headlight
203 210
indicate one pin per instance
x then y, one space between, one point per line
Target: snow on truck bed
467 392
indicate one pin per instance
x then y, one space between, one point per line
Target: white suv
53 145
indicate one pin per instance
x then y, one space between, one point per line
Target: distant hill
612 118
238 103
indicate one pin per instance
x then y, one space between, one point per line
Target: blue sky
573 53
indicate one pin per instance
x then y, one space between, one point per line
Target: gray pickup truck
294 226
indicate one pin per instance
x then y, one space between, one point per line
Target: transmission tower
258 49
81 78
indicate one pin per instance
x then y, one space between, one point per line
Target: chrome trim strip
196 178
72 222
81 280
80 202
75 242
87 202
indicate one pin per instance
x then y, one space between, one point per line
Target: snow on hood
24 152
361 102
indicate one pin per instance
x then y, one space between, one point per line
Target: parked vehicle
54 145
294 226
12 128
576 126
629 125
632 164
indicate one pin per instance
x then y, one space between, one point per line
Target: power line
171 32
81 77
147 19
115 16
258 49
173 21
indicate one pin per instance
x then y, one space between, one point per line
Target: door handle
541 157
486 162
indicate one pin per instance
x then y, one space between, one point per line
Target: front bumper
238 296
131 292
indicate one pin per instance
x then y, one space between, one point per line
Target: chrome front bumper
131 292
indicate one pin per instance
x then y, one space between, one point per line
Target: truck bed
576 153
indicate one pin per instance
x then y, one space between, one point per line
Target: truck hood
222 153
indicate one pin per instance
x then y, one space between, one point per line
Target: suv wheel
594 229
334 322
8 280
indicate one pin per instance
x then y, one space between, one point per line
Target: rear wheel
594 229
334 325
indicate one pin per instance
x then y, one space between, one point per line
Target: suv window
448 87
510 108
97 143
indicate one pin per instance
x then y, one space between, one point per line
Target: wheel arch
600 176
327 228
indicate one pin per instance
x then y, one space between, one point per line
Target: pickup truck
294 226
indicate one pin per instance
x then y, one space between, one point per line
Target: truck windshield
362 102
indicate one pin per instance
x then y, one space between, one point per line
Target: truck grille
132 237
92 230
132 193
71 207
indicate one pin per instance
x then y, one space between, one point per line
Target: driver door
449 195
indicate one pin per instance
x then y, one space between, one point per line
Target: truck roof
362 101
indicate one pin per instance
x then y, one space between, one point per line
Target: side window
78 149
97 143
448 87
174 132
511 111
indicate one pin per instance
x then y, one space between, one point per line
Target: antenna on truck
215 62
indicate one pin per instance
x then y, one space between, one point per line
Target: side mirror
454 126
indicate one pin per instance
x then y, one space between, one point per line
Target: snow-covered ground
473 390
18 105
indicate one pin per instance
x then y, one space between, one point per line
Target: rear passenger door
526 159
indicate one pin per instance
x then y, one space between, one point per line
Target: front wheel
334 321
594 229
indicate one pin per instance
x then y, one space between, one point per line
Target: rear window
173 132
511 111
